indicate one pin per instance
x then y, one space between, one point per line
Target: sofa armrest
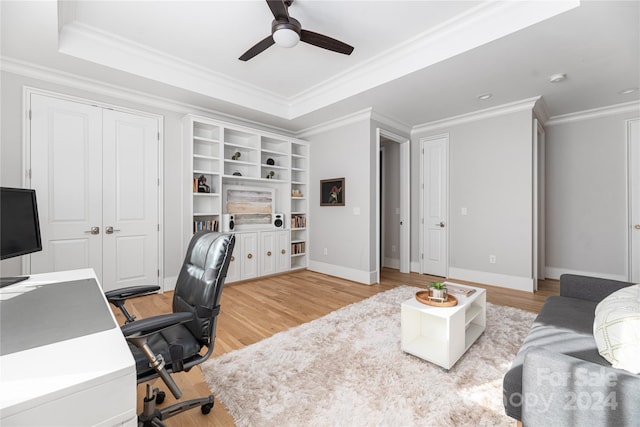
588 288
558 389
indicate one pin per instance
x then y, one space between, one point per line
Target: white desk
71 365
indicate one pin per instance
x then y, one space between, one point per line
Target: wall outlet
324 251
492 259
463 211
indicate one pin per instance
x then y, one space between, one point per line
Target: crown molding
75 81
356 117
101 47
479 25
595 113
392 123
500 110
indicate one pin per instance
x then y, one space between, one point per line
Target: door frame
539 202
422 242
27 91
405 200
633 187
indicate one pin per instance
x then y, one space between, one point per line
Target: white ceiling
414 61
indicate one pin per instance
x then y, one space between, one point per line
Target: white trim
76 81
500 110
476 26
366 277
505 281
595 113
556 272
392 263
356 117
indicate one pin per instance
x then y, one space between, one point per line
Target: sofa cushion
564 325
616 328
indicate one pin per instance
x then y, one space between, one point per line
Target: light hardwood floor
256 309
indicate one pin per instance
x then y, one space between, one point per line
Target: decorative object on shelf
236 156
438 291
295 192
271 162
202 185
332 192
236 173
271 174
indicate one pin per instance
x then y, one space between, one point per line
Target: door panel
633 135
66 164
282 256
435 210
130 148
267 253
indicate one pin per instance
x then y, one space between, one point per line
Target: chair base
152 416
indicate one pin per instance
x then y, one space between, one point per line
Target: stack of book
211 225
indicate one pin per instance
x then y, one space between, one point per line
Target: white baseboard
169 284
494 279
366 277
555 273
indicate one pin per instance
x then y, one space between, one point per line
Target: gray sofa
558 377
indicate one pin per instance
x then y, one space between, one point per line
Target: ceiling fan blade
279 9
325 42
257 48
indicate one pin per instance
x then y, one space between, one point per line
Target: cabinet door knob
249 256
233 258
268 253
637 226
284 251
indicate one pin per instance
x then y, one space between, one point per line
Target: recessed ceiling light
557 78
485 96
628 91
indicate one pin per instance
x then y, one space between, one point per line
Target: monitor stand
6 281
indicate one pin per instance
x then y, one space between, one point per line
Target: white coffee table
441 335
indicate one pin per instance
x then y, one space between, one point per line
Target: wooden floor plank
256 309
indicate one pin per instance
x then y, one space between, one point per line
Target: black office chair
171 343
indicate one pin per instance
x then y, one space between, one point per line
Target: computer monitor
19 226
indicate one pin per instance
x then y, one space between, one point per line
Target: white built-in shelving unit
229 155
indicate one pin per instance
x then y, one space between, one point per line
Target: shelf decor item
270 174
271 162
438 291
236 156
332 192
202 185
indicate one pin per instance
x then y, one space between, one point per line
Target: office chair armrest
130 292
152 325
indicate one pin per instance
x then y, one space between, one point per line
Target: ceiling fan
287 32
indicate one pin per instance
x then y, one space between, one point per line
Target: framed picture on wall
332 192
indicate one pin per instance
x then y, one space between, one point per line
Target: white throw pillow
617 329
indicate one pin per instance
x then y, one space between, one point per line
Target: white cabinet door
283 259
268 253
94 168
249 254
66 172
130 200
233 272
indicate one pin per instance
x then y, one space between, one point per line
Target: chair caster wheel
206 408
160 397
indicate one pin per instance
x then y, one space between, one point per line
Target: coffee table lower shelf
442 335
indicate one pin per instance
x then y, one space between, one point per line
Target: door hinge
29 114
28 173
158 227
158 272
158 182
422 256
158 136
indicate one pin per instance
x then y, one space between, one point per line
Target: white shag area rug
347 369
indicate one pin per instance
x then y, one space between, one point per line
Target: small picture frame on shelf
332 192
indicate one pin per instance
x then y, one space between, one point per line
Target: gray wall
490 173
586 209
336 153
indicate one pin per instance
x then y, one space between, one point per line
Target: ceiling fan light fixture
286 34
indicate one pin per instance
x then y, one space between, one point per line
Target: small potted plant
438 291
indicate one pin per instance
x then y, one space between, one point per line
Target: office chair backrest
201 279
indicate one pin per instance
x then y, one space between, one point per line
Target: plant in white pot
438 291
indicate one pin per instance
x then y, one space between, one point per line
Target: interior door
95 172
435 252
633 135
130 198
66 172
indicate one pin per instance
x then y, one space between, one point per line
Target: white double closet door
95 172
